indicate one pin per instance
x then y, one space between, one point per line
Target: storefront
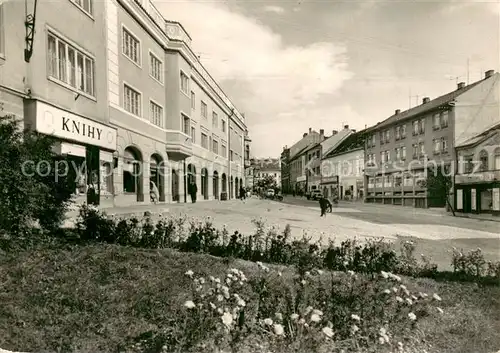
87 146
330 186
478 193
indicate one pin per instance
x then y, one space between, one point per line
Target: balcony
175 31
178 145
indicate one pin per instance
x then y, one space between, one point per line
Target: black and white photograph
250 176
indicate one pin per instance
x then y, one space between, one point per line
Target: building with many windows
265 168
477 183
400 149
127 97
285 170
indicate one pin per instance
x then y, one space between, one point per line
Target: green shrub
28 195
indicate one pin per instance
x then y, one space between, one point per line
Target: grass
92 298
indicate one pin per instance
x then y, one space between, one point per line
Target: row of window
394 181
206 141
440 121
204 108
132 102
440 146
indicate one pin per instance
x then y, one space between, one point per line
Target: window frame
81 8
78 52
204 109
162 111
185 118
153 56
140 102
188 83
139 49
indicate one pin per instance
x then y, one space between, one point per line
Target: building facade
285 170
400 149
265 168
127 97
477 183
343 168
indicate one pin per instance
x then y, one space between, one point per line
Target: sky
294 65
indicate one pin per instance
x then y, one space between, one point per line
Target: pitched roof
300 152
479 137
424 108
352 142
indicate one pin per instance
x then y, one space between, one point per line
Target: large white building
125 94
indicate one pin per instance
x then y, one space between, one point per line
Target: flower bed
274 246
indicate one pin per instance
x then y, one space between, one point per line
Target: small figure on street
242 193
193 190
324 204
153 192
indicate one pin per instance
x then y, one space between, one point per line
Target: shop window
486 200
497 158
106 178
131 171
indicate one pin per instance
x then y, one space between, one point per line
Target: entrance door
467 200
93 175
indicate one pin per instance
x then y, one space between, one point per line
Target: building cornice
152 27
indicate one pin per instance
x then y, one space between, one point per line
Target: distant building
477 183
343 168
267 167
286 185
401 148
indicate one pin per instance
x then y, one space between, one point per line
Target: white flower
346 263
308 273
317 312
302 322
386 338
399 299
354 328
278 329
227 319
394 289
189 273
211 278
228 281
327 331
440 310
397 278
355 317
220 297
436 297
189 304
279 273
381 340
294 317
241 303
279 317
212 305
320 272
268 321
308 310
408 300
229 275
350 273
315 318
220 311
402 286
387 291
382 331
384 274
412 316
217 280
303 282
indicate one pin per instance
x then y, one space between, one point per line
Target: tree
439 184
31 188
267 182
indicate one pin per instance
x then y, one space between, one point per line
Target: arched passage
204 183
132 173
215 184
191 174
231 187
157 176
224 182
175 185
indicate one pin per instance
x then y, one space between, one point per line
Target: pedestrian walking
324 205
242 193
193 190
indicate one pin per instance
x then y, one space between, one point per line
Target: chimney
461 85
426 100
321 132
334 132
346 127
353 130
397 111
305 134
310 130
489 73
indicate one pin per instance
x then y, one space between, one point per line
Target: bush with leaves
32 189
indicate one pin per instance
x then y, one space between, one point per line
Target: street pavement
434 231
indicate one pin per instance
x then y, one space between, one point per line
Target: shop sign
477 177
59 123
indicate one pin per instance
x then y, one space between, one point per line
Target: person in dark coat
193 190
324 204
242 193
